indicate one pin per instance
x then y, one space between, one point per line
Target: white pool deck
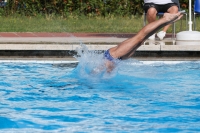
93 43
69 42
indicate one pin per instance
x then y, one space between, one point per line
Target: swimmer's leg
110 66
128 47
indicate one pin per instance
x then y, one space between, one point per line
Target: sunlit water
136 97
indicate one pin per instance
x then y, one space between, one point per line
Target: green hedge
66 8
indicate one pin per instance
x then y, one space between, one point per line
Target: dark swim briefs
159 8
109 57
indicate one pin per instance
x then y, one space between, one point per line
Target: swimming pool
138 97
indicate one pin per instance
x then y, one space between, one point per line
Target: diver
126 49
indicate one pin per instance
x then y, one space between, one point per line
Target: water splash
92 64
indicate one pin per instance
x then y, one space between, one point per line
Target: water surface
137 97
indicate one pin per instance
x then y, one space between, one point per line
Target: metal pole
190 15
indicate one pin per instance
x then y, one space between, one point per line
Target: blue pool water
137 97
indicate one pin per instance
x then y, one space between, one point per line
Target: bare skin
127 48
151 15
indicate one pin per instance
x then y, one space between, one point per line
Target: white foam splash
91 63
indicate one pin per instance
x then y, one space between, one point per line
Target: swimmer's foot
170 18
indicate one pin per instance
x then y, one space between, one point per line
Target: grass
81 24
